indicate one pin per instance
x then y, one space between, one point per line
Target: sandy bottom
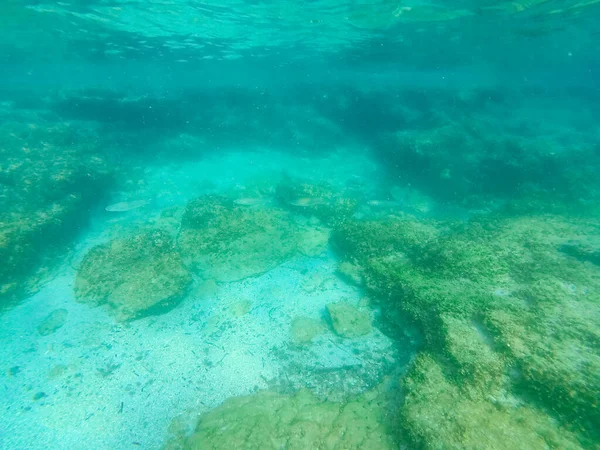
97 384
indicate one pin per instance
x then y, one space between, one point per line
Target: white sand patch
196 355
96 384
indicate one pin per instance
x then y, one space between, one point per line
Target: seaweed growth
133 276
474 150
268 420
222 241
510 350
49 177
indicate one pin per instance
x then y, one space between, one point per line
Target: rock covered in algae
438 414
530 173
501 308
305 329
313 241
350 272
268 420
349 321
228 242
318 200
49 178
133 276
240 308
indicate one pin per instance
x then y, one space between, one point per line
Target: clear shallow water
322 225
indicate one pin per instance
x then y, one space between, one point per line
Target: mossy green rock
305 329
270 421
441 415
134 276
318 200
49 178
225 242
350 273
312 241
498 302
349 321
529 173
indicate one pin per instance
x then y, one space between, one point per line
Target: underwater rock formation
133 276
318 200
305 329
49 177
226 242
524 172
439 414
268 420
349 321
351 273
504 314
313 241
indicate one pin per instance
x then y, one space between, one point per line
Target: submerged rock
268 420
134 276
50 177
313 241
530 173
350 273
349 321
53 321
226 242
503 311
439 414
240 308
318 200
305 329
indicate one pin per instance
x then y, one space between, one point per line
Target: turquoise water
299 225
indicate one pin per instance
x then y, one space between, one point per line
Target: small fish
250 201
126 206
308 201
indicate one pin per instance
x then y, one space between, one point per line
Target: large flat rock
134 276
225 242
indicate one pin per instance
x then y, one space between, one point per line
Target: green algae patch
53 321
500 306
351 273
305 329
527 172
313 241
439 414
133 276
269 420
349 321
225 242
50 176
316 200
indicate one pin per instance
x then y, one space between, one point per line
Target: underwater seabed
165 293
77 377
